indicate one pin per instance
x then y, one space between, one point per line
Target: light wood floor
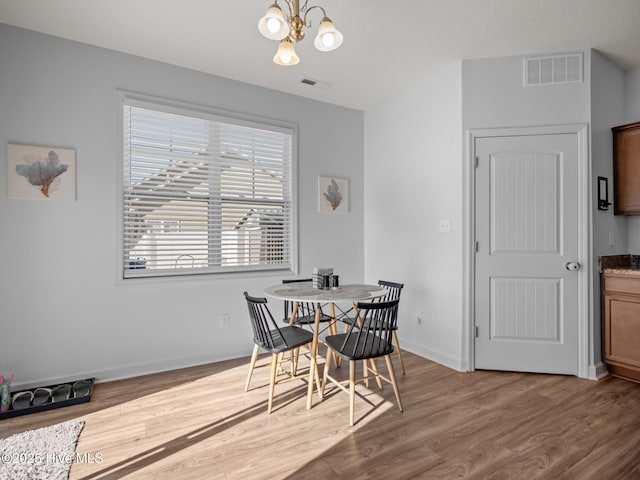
198 423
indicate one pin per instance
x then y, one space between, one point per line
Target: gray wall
64 313
607 110
632 96
493 96
413 179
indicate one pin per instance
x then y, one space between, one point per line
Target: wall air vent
316 83
552 70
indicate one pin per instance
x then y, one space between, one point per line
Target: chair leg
352 391
280 361
272 383
252 364
365 373
338 360
318 382
333 330
374 369
394 381
327 365
395 340
294 361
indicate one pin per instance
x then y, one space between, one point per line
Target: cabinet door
622 330
626 169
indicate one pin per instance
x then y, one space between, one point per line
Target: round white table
304 292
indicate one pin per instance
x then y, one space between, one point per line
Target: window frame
212 114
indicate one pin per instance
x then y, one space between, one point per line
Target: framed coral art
333 194
41 173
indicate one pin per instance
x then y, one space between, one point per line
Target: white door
527 245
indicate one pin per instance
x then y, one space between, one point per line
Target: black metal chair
393 293
369 337
276 340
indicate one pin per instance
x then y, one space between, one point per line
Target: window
204 193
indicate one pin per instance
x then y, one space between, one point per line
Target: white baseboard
598 371
433 355
132 370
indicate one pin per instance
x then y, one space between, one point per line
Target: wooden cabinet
626 169
621 311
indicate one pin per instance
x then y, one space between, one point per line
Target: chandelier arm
306 12
295 9
292 4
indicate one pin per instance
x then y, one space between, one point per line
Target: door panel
525 203
526 228
525 309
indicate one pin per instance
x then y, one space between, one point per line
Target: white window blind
203 193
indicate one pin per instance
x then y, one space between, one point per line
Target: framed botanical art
41 173
333 194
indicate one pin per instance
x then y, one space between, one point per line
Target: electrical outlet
224 320
444 225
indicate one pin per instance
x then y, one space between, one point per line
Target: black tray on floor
49 405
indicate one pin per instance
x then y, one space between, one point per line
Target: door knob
572 266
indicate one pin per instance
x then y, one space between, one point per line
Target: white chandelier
275 25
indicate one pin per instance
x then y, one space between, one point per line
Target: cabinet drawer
622 330
622 284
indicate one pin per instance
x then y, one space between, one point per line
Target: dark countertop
620 264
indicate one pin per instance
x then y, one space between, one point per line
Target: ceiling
388 44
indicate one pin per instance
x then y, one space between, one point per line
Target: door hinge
477 246
476 162
476 331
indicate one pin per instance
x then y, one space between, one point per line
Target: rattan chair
369 337
276 340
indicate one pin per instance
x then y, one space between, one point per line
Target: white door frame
585 248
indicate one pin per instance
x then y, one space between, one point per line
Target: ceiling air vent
553 70
316 83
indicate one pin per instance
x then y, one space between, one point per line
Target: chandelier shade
328 37
286 54
289 28
273 25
